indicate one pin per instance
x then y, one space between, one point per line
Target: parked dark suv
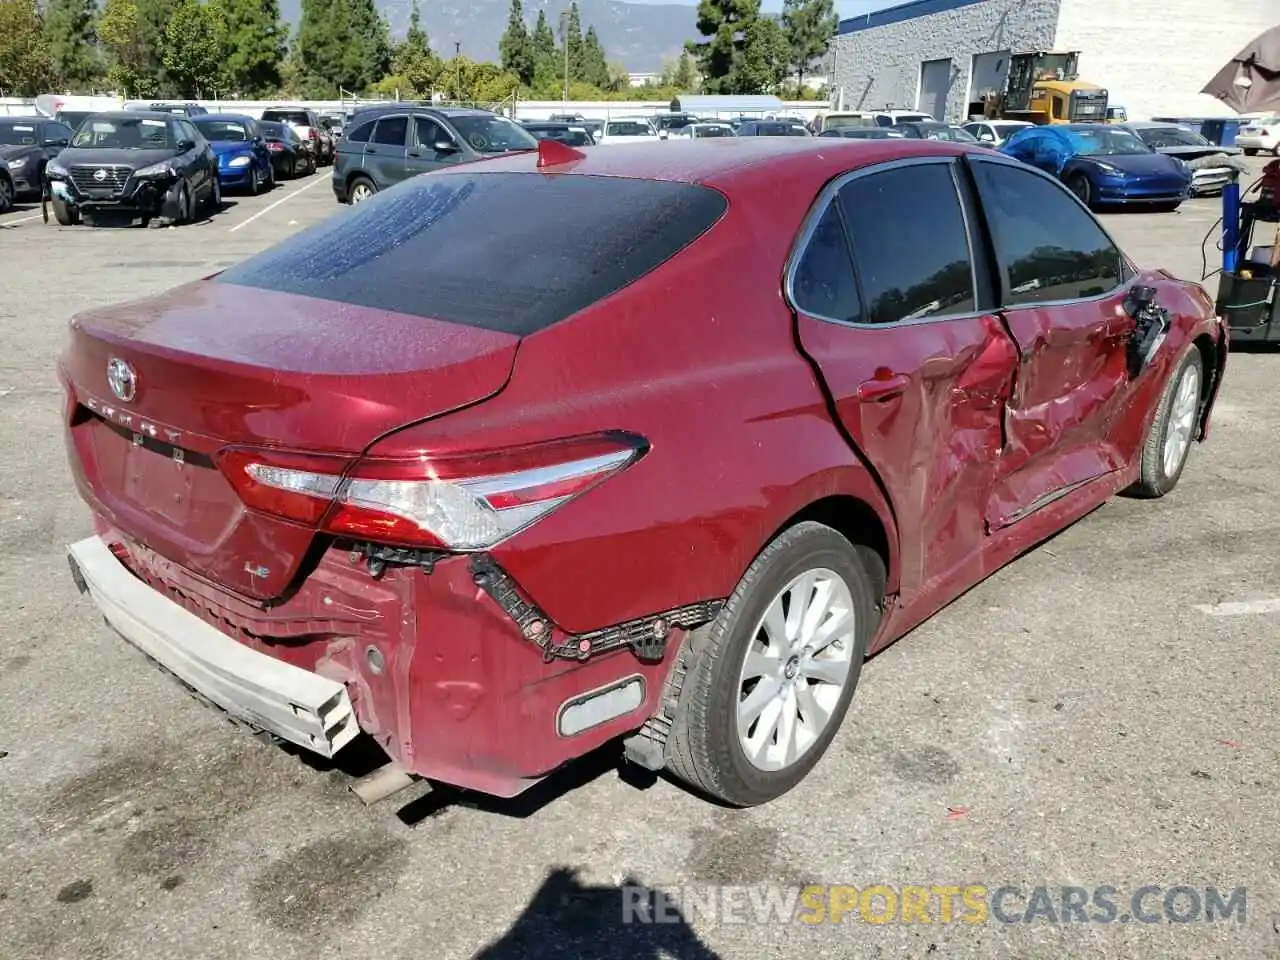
383 146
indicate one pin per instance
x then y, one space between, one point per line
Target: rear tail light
275 147
311 133
456 503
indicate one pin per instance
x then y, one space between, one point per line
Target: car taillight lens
455 503
275 147
311 134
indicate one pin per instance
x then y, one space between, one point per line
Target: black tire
1275 151
1156 474
1250 151
255 181
66 216
7 193
215 196
271 177
184 214
1168 207
1079 184
704 747
360 188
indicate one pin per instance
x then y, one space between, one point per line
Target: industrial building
940 56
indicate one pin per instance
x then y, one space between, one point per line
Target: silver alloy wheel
361 192
797 664
1182 420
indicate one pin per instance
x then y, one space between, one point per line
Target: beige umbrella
1250 82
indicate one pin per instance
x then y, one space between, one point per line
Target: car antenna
552 153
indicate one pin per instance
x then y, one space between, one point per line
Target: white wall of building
881 67
1154 56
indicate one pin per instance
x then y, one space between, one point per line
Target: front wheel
215 196
1172 432
67 216
1250 151
1080 186
255 182
7 193
769 681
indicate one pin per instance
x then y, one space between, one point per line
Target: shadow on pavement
567 918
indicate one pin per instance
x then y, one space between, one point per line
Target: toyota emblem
122 380
100 175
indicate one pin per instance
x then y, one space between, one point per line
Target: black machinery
1251 258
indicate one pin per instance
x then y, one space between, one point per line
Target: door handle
885 385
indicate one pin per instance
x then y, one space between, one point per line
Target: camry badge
100 175
122 380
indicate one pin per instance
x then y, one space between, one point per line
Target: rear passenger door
385 154
425 136
892 297
1062 285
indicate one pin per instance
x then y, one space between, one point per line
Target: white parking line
1240 608
285 199
10 223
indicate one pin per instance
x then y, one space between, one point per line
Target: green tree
681 75
546 59
256 45
765 55
130 66
724 23
25 65
70 30
153 19
571 39
195 49
595 68
809 26
341 44
412 59
516 46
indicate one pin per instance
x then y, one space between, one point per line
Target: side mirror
444 146
986 138
185 145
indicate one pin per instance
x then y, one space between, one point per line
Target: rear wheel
66 215
769 681
1250 151
1079 184
361 189
1173 431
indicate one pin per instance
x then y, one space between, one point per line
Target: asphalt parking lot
1101 713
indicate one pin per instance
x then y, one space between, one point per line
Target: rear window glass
432 247
288 116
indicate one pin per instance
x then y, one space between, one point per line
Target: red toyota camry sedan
496 487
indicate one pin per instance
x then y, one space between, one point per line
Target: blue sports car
244 162
1103 164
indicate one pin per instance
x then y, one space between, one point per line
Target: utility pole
457 62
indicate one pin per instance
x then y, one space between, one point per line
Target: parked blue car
244 162
1103 165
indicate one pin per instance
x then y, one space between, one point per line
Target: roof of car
133 114
422 108
237 117
1150 125
35 118
720 160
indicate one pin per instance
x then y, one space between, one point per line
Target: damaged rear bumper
444 666
298 706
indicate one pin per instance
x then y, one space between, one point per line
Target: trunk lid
216 365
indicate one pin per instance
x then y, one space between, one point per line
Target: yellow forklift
1046 88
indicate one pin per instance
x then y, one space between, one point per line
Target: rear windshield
288 116
489 250
223 131
628 128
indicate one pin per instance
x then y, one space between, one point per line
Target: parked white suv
1262 134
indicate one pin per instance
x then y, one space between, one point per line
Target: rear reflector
455 503
598 707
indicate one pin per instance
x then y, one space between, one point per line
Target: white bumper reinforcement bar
294 704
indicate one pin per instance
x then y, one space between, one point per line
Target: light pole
564 38
457 63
